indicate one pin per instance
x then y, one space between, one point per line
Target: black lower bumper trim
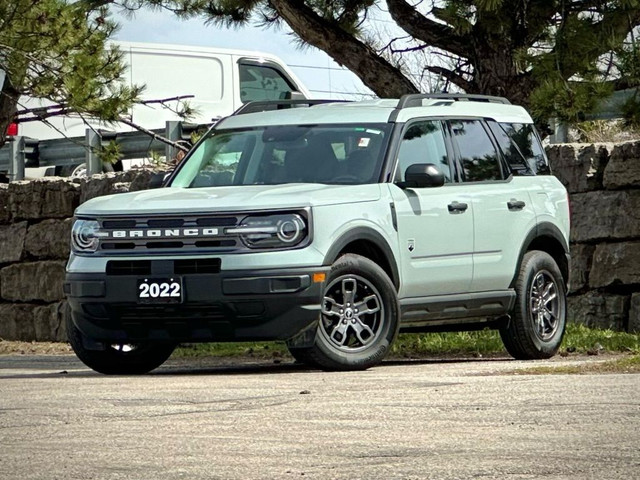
238 306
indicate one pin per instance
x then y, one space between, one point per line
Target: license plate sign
160 290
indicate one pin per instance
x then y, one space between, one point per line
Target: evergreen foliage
56 50
558 57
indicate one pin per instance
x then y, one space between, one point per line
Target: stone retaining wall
603 181
35 227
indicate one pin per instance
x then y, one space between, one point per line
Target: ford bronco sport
331 226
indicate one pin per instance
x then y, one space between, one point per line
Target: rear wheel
538 319
358 320
120 359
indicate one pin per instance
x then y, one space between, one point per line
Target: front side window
478 157
262 82
423 142
332 154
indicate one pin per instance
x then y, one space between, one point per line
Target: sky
321 75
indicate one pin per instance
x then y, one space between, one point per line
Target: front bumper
226 306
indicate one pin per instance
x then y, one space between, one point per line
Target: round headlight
84 235
284 230
290 230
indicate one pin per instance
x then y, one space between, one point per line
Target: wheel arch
368 243
548 238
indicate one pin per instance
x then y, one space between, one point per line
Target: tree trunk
9 97
495 74
386 80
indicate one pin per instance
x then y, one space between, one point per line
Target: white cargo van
220 80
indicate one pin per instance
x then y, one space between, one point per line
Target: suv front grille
188 234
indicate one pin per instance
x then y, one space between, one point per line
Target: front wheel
538 319
359 317
120 359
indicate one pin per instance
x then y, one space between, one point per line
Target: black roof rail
268 105
415 99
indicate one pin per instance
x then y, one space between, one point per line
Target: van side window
262 82
478 157
423 142
521 147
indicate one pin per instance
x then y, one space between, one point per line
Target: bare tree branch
165 100
451 76
429 31
377 73
154 135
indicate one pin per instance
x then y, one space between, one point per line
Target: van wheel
120 359
359 317
538 319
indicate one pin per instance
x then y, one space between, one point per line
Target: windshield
335 154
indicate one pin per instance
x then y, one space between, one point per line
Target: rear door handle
516 204
457 207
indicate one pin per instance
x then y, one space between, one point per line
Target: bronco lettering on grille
172 232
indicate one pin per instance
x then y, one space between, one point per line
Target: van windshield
333 154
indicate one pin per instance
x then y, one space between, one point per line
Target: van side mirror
422 175
158 180
293 95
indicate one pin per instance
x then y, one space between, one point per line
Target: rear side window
478 157
521 147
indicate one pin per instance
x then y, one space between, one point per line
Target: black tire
130 359
348 338
539 317
301 355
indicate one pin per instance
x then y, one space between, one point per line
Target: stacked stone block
603 181
35 229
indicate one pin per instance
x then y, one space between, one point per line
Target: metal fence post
173 132
16 158
560 131
93 143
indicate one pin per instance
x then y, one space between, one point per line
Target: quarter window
478 156
521 147
423 142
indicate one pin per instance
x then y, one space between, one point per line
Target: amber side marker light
319 277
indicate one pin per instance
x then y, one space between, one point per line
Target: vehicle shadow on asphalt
12 367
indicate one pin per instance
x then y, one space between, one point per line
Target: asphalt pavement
458 419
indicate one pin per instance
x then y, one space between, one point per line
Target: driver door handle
457 207
516 204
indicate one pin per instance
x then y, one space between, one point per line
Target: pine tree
56 50
558 57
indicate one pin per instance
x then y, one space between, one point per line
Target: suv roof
303 112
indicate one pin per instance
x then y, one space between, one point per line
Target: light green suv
331 226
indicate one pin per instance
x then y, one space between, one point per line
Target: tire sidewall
534 263
373 354
143 359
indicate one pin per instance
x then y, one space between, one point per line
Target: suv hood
228 199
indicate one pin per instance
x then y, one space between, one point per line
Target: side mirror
422 175
158 180
293 95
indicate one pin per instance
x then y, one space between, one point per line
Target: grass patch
481 343
245 349
627 364
581 339
578 339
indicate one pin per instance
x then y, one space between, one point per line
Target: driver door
435 224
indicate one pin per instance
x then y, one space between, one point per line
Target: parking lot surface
458 419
